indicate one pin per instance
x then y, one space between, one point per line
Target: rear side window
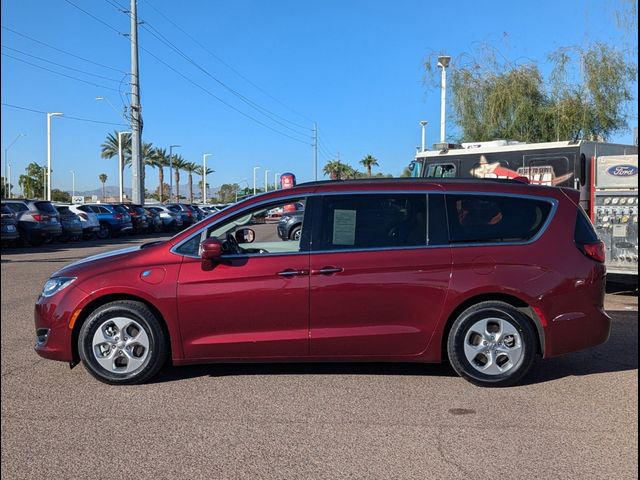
584 232
119 209
486 218
441 170
18 207
64 211
373 221
45 207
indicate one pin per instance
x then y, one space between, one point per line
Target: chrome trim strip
554 206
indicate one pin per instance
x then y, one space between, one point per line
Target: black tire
462 326
141 315
104 232
295 233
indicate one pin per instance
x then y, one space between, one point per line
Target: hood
107 257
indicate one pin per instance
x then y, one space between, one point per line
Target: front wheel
122 342
492 344
104 232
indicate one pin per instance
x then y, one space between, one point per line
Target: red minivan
488 274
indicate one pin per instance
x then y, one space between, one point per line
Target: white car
89 220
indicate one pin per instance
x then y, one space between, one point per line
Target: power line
63 51
220 99
60 65
59 73
226 64
94 17
267 113
68 117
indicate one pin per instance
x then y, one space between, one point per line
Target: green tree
179 163
58 195
103 180
32 181
368 162
159 159
586 95
336 170
190 168
228 192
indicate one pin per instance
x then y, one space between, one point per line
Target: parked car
71 224
188 217
488 274
88 219
290 225
200 214
114 220
9 226
171 220
155 222
38 220
139 219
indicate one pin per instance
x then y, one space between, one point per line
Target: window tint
119 209
486 218
6 209
372 221
584 232
18 207
85 208
102 210
64 210
438 230
45 207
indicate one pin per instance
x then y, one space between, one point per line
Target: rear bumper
575 331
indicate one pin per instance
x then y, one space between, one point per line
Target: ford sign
623 170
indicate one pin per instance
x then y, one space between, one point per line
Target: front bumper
52 316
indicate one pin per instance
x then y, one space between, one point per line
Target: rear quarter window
476 218
584 232
45 207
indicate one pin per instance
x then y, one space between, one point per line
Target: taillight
118 216
37 217
189 214
595 251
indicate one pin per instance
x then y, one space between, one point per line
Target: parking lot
574 417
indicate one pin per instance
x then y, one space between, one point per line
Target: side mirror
245 235
210 252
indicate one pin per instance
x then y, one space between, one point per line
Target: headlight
285 219
54 285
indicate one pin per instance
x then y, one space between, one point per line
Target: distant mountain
113 191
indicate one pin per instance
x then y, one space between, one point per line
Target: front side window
276 228
372 221
486 218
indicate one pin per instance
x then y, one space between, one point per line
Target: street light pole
275 180
73 183
7 179
49 115
266 180
204 177
424 134
254 180
443 62
171 147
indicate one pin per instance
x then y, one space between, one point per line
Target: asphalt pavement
574 417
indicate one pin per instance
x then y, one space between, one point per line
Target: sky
246 80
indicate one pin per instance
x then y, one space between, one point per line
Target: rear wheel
492 344
122 342
104 232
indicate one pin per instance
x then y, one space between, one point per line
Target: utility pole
136 113
315 151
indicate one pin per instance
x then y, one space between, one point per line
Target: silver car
170 220
89 220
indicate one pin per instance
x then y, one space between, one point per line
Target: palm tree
103 179
369 162
179 163
337 170
190 168
109 148
199 171
159 160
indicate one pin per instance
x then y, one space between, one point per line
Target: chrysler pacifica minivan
487 275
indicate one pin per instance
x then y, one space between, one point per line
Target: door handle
327 271
289 272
